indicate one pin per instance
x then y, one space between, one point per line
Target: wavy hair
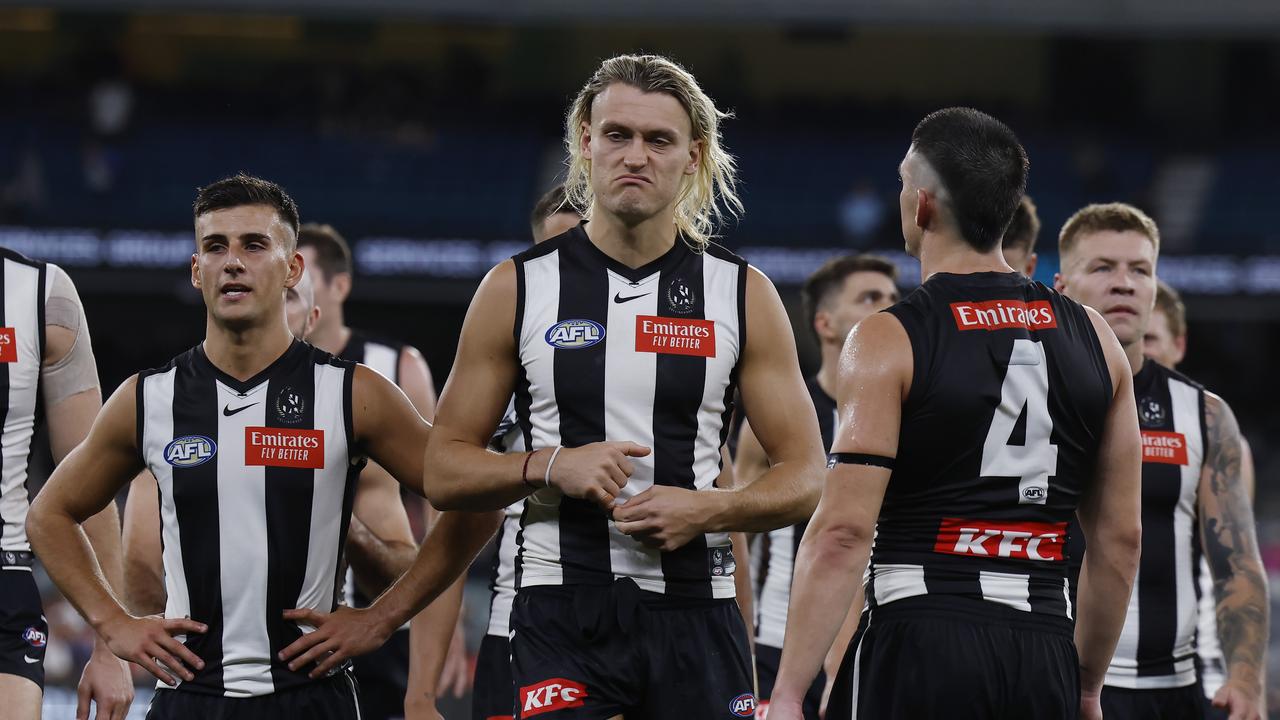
706 196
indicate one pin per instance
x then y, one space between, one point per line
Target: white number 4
1026 385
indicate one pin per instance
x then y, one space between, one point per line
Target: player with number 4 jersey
975 418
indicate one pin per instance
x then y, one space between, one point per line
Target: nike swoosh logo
226 410
617 297
30 660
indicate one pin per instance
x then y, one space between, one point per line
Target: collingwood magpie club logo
290 406
1151 411
680 297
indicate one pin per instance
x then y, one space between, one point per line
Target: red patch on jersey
993 538
1164 447
1004 314
675 336
548 695
8 346
284 447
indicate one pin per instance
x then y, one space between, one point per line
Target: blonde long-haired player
624 341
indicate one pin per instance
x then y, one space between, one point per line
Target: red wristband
524 472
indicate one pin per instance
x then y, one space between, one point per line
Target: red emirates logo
1164 447
675 336
8 345
996 539
1004 314
284 447
548 695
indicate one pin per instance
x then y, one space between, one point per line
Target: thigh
560 672
22 697
24 634
697 664
493 694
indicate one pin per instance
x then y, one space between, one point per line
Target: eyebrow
614 126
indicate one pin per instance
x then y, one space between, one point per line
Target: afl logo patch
743 706
190 451
34 637
574 334
1033 493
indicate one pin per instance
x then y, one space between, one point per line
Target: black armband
835 459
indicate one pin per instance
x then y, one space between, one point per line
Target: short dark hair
1169 302
1024 228
551 202
982 166
829 279
333 255
242 189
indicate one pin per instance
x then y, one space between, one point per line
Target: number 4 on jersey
1026 388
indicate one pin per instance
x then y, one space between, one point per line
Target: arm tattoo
1231 546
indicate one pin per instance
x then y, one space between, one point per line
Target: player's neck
827 370
632 245
245 352
943 254
331 337
1133 351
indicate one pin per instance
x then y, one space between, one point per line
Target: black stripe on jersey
731 390
678 388
195 501
1157 604
288 505
579 388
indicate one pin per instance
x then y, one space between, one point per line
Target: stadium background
424 131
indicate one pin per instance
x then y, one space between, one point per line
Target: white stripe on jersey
326 500
775 595
720 280
504 579
382 358
157 399
541 533
21 298
1012 589
898 582
1207 644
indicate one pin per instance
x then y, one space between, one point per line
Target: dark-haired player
1194 498
836 298
976 417
255 440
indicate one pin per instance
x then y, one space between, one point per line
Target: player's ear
312 319
695 157
297 266
195 271
341 286
584 144
1032 261
822 324
925 210
1058 283
1180 343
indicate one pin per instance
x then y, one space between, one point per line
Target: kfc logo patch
284 447
675 336
1004 314
549 695
8 345
989 538
1164 447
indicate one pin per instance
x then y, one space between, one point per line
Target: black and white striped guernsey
256 485
999 438
24 288
502 576
648 355
781 544
1157 647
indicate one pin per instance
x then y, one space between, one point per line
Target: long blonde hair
701 195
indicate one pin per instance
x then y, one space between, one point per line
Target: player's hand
420 708
455 678
1240 702
662 516
150 642
595 472
784 710
338 636
1090 705
106 681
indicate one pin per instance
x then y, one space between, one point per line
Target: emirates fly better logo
1004 314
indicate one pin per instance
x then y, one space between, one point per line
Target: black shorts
24 634
918 658
333 698
493 695
383 678
589 653
767 661
1166 704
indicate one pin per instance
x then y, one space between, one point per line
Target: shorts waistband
971 610
17 559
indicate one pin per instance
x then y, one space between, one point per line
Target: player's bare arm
393 434
81 486
380 544
776 401
1229 536
461 473
144 590
875 376
417 383
1111 518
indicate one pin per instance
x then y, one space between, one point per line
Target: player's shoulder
185 359
17 257
1176 376
566 239
719 252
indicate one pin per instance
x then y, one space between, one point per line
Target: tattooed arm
1231 547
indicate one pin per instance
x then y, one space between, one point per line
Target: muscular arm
380 543
1110 516
1228 533
875 374
416 381
144 590
782 418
